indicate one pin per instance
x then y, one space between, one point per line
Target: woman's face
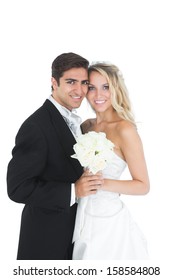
98 94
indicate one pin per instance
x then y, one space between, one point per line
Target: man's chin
76 105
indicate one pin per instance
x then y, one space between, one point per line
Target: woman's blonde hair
119 93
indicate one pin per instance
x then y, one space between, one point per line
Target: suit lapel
64 135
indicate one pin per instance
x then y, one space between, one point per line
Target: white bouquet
93 150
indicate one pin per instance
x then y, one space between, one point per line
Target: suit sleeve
24 174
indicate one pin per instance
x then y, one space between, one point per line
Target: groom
42 175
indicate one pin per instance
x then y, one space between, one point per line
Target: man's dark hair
65 62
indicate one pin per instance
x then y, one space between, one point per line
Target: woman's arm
131 148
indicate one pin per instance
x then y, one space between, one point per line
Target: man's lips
76 97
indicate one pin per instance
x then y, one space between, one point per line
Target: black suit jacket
39 175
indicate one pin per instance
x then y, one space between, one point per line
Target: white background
135 35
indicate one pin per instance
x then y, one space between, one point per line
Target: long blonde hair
119 93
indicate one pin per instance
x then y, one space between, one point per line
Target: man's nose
80 89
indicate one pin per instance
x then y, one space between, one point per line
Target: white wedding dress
104 228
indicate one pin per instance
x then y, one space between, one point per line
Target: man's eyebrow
75 80
70 79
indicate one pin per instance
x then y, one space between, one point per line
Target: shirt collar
64 111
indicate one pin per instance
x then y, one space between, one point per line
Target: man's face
73 86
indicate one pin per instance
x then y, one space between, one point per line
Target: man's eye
85 83
71 82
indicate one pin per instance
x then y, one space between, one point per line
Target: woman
104 227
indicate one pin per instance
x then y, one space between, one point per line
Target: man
42 174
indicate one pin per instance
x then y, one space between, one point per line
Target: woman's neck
108 117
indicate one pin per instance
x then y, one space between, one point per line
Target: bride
104 228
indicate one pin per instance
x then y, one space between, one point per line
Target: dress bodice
106 203
115 168
112 171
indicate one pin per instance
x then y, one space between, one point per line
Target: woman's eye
90 88
106 87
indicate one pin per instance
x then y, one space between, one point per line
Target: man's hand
88 184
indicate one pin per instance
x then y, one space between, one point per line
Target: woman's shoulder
87 125
125 136
125 127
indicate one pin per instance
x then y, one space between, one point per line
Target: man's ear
54 83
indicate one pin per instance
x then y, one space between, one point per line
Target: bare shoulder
128 139
87 125
126 128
